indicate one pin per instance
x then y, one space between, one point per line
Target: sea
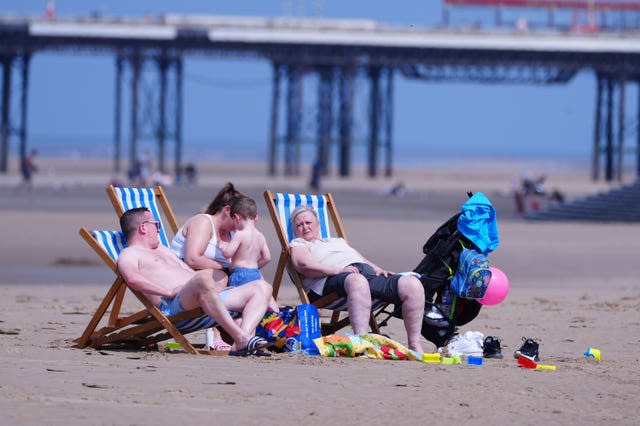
402 154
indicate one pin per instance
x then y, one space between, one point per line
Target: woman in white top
196 242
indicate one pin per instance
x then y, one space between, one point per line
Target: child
248 248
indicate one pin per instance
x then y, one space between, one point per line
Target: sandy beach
573 285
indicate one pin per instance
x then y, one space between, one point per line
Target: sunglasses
157 224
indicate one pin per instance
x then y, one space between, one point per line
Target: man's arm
129 268
305 264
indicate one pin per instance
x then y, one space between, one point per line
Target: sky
227 101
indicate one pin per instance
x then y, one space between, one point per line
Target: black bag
442 252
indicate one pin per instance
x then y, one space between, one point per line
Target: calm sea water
403 154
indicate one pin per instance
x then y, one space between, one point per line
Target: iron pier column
294 114
178 114
621 129
638 137
609 147
161 132
136 64
597 130
325 117
275 104
26 60
5 125
346 119
117 123
374 120
389 124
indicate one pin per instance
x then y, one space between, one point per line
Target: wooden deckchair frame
141 326
167 211
284 261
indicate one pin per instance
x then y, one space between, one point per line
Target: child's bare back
251 250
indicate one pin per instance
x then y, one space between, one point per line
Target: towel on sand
369 345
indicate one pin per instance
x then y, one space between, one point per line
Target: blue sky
226 102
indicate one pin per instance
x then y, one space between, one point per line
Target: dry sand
573 285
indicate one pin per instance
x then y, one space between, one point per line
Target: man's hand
351 269
383 272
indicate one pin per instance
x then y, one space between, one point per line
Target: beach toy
173 346
526 362
431 358
545 367
474 360
592 353
497 289
451 360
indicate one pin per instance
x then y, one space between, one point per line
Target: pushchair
441 316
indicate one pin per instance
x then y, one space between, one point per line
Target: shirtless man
248 248
170 284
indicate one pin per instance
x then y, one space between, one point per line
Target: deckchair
126 198
143 328
280 206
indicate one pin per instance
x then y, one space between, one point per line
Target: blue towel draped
478 223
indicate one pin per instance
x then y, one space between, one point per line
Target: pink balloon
497 289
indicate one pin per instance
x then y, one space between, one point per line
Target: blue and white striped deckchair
145 327
154 199
127 198
280 206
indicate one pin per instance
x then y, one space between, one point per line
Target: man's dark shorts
382 288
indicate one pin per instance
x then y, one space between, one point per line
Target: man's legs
200 291
411 294
252 300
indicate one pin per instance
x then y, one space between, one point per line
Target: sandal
254 347
220 346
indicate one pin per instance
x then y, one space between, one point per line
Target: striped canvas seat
131 198
147 326
286 203
281 205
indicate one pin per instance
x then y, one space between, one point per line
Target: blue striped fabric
132 198
200 323
286 203
113 243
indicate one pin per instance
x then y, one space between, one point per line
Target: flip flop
254 347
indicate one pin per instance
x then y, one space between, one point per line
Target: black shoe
491 348
529 350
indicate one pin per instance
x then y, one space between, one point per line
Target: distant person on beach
171 285
532 192
316 176
144 168
191 174
27 169
197 242
398 190
134 173
331 265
